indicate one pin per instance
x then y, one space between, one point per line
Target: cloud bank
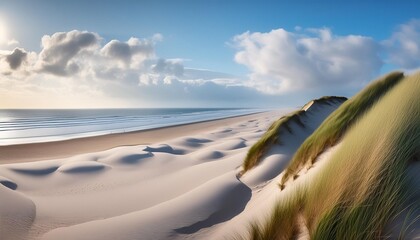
81 69
282 61
404 45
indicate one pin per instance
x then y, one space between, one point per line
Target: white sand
183 188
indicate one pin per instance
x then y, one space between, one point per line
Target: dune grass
325 100
272 135
363 186
283 223
370 188
335 125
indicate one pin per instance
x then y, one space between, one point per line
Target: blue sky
204 35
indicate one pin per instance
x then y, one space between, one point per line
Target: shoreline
31 152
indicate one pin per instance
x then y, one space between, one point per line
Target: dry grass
335 125
363 185
272 136
283 223
370 188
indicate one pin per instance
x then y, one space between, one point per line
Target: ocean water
20 126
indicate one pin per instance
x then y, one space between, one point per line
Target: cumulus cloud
124 72
173 67
129 73
125 51
16 58
119 50
282 61
403 47
60 49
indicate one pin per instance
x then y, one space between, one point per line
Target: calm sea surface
36 125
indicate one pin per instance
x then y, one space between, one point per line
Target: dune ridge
190 178
286 123
374 196
138 190
359 179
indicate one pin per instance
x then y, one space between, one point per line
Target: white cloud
16 58
157 91
118 50
128 73
59 51
282 61
403 47
149 78
172 67
78 65
17 63
12 42
133 50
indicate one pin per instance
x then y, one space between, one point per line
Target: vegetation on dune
283 223
272 136
363 186
325 100
335 125
257 151
370 189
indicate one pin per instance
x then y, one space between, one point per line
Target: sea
20 126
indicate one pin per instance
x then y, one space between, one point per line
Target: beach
208 120
174 182
59 149
179 182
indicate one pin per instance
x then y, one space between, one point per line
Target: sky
193 53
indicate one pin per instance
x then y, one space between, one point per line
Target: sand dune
168 189
185 187
68 148
354 177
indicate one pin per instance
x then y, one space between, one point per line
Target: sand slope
186 187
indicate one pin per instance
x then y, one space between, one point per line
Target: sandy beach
209 120
179 182
187 172
59 149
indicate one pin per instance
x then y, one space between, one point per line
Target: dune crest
358 169
325 171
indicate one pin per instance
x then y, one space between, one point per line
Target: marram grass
282 223
272 135
363 186
335 125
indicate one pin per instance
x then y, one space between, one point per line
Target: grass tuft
272 136
364 185
335 125
283 223
371 188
